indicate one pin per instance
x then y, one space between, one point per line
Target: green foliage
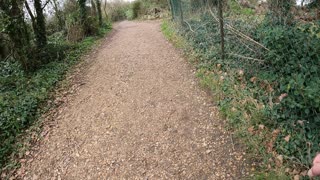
40 24
235 102
148 8
99 12
129 14
136 7
92 25
83 13
170 34
236 8
16 29
272 175
314 4
280 82
35 62
119 11
295 63
280 11
23 94
39 57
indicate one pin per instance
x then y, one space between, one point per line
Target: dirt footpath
139 115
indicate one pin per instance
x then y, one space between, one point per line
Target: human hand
315 169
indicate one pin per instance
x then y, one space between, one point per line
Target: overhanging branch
45 4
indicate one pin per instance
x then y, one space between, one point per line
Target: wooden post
220 14
171 8
181 12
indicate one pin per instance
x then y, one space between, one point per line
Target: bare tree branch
29 11
45 4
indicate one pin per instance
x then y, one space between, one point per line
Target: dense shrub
92 25
118 10
294 60
136 7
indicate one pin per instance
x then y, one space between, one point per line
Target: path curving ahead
139 115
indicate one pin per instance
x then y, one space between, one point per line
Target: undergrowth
230 93
271 100
23 94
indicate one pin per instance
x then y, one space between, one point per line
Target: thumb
315 170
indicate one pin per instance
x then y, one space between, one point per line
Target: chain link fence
201 23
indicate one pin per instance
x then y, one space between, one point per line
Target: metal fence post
220 14
181 12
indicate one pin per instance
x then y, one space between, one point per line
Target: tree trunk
83 14
58 14
33 19
181 12
98 2
40 32
16 30
93 8
105 9
171 8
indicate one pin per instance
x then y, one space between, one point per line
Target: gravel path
140 114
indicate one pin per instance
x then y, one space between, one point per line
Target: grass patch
171 35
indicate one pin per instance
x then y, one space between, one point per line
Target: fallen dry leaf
275 132
295 172
287 170
261 126
296 177
300 122
304 173
253 79
279 160
282 96
287 138
270 146
251 129
240 72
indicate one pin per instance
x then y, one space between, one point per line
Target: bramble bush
294 61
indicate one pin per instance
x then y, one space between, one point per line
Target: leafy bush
237 9
92 25
129 14
51 52
136 7
118 10
294 60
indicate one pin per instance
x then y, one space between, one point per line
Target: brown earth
139 114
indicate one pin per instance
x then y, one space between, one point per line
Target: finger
316 159
310 174
316 169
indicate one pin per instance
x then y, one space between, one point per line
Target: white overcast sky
49 7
